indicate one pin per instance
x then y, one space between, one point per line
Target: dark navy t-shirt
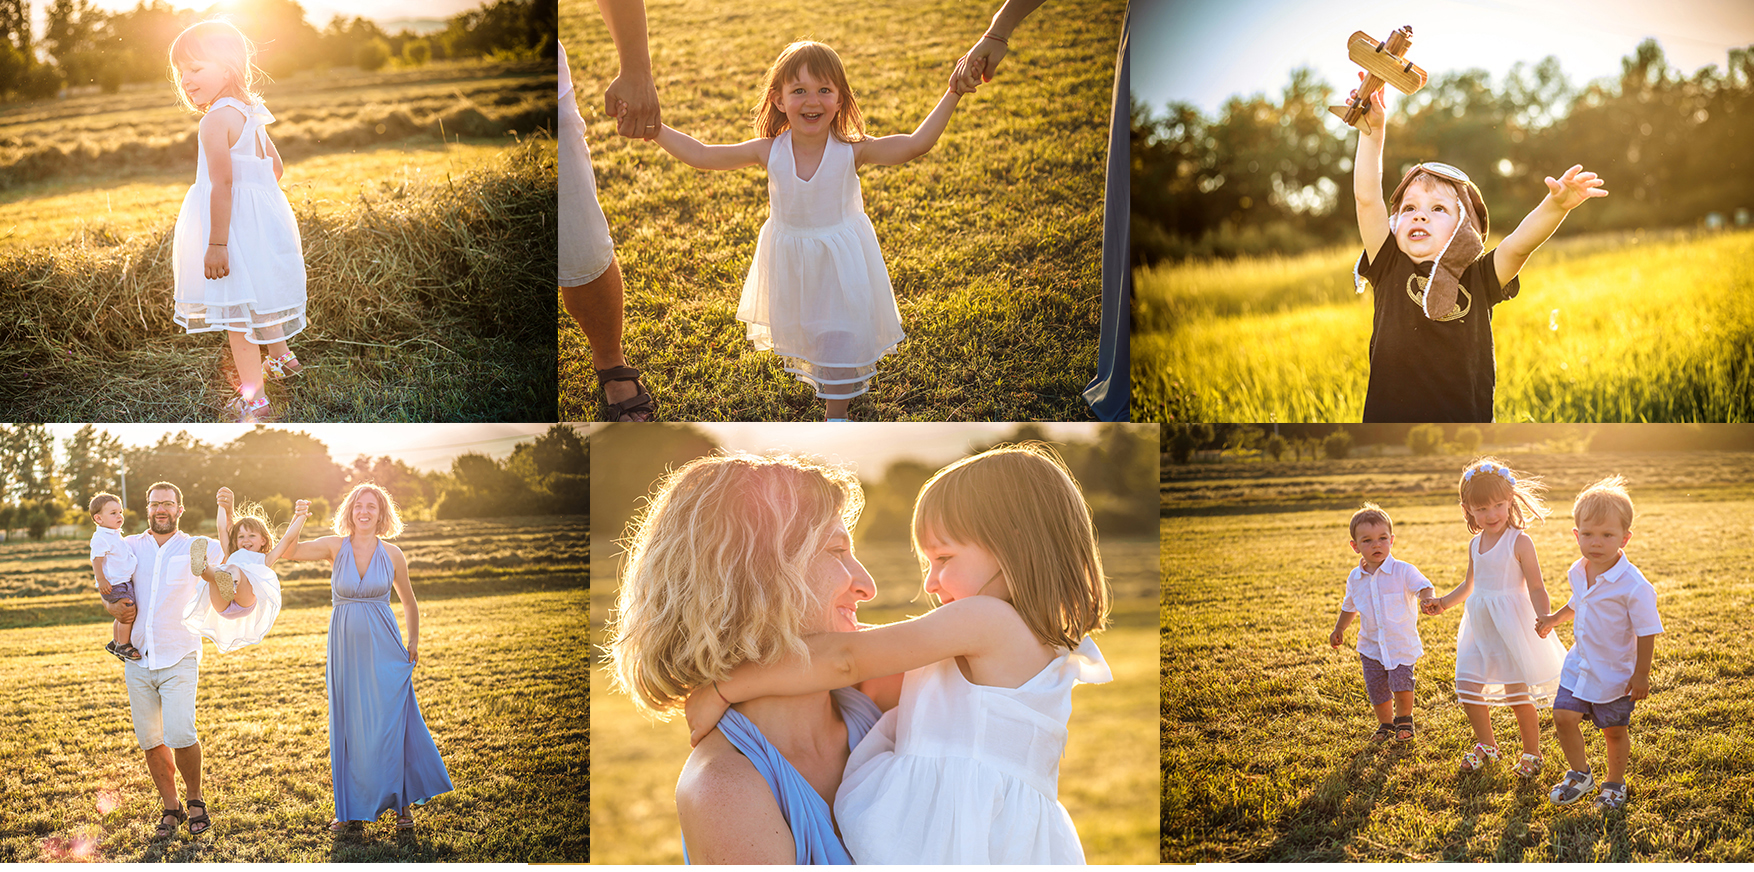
1423 370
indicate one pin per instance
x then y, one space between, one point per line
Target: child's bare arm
697 154
1373 214
1639 687
1564 194
300 511
1525 555
97 568
1448 601
1546 623
1336 638
222 518
900 148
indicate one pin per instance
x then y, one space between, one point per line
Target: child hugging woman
1500 660
817 293
237 259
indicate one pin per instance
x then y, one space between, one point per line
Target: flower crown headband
1500 471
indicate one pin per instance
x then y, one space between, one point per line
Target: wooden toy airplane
1385 63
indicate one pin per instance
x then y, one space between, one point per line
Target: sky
872 448
318 12
426 447
1205 52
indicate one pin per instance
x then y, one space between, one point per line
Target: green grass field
992 240
424 256
1264 751
499 686
1104 776
1629 328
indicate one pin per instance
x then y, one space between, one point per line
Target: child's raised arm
691 151
899 148
300 511
969 627
1373 214
222 519
1563 195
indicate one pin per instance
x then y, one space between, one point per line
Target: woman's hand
981 62
964 78
224 497
301 508
703 710
214 265
414 651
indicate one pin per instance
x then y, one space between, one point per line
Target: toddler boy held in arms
1381 593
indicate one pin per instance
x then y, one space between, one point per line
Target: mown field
992 239
1264 751
1614 328
1104 776
422 253
499 684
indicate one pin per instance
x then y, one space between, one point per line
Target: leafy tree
416 52
93 458
1277 446
1468 440
372 55
1425 439
1338 445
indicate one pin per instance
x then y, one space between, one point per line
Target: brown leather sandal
199 823
640 404
176 818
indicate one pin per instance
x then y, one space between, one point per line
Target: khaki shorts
162 702
585 247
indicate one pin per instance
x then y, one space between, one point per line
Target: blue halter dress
380 753
811 819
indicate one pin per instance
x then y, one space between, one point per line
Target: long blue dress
811 819
380 753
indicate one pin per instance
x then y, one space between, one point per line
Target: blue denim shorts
1382 684
1603 714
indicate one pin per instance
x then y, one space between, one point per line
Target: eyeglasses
1443 171
161 505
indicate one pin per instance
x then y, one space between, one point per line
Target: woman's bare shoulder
727 810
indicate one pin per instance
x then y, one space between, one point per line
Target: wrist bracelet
220 244
721 694
990 35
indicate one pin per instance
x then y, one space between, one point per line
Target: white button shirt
164 588
1609 619
1387 604
118 557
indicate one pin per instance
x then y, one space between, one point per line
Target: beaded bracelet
992 36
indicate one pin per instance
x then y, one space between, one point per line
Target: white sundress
1499 659
264 296
230 634
818 293
965 773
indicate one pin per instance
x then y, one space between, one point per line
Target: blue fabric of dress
811 819
1110 393
380 753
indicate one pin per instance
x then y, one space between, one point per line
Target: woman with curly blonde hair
739 558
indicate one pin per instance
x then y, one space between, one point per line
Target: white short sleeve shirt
1387 604
119 560
1609 619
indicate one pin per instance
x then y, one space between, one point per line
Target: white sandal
1528 767
1476 759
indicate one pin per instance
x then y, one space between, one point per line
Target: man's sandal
1477 758
1404 724
199 823
1384 733
176 818
638 407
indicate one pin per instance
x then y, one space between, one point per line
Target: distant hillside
421 26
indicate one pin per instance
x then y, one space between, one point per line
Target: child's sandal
1384 733
1404 724
283 367
197 555
1477 758
250 411
128 651
226 584
1528 767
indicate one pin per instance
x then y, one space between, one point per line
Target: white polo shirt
1387 604
163 589
1609 619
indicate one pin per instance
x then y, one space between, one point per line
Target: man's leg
160 764
178 692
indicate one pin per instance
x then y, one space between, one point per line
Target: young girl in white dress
243 593
1500 661
964 766
237 259
817 293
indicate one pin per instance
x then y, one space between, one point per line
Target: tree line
1181 443
274 468
1270 176
83 44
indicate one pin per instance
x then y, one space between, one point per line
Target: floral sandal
250 411
283 367
1477 758
1528 767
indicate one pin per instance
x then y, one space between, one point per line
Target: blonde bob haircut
216 41
1486 481
389 522
1605 497
1020 504
823 63
718 571
252 517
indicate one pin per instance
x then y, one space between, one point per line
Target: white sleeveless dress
964 773
231 633
264 296
1499 659
817 293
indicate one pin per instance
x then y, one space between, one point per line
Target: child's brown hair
823 63
1606 496
216 41
1487 481
254 518
1020 504
98 502
1370 513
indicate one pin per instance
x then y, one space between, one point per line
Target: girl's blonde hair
1486 481
216 41
1605 497
718 571
1020 504
255 518
823 63
389 522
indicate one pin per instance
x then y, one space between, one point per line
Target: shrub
1277 446
1425 439
1338 445
416 52
1468 439
372 55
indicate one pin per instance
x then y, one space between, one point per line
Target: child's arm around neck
691 151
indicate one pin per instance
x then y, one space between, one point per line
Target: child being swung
237 258
1500 661
818 293
1614 640
243 593
964 768
1380 593
112 563
1431 336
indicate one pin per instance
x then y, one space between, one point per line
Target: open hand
1639 687
1573 188
633 101
703 710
